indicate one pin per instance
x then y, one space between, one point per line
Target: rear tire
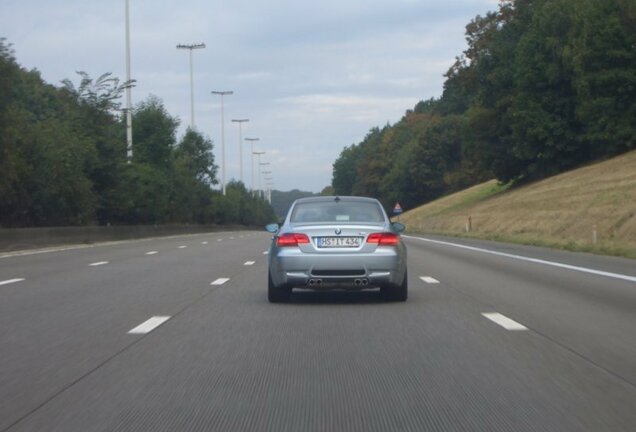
397 292
277 293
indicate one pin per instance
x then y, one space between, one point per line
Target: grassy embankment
564 211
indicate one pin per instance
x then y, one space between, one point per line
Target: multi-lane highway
176 334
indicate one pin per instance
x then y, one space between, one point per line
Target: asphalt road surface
176 334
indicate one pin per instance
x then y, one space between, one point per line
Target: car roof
336 198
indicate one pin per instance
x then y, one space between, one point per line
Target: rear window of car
340 212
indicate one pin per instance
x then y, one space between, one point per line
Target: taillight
291 239
384 239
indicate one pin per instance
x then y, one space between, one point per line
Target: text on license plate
335 242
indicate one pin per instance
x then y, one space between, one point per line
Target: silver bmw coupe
328 243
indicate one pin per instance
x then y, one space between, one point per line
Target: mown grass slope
588 209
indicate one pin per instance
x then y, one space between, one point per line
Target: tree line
63 159
544 86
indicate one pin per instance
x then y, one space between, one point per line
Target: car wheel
397 292
277 293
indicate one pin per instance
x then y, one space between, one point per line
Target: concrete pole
240 123
191 47
222 94
129 142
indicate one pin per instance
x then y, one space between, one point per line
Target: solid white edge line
220 281
504 321
149 325
249 263
429 280
99 263
10 281
533 260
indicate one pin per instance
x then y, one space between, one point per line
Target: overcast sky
312 77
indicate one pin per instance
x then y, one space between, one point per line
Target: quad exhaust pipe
315 282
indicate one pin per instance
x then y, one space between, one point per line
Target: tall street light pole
129 150
251 140
258 155
262 191
269 181
191 47
222 94
240 124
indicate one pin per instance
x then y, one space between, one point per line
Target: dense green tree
239 206
44 171
93 108
143 195
327 191
543 113
282 201
420 171
602 52
63 159
345 171
154 133
194 155
543 86
371 164
194 172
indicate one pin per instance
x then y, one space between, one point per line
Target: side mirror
272 228
399 227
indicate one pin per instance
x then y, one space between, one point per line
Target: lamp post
129 150
266 187
269 192
258 155
240 124
269 182
259 176
222 94
191 47
251 140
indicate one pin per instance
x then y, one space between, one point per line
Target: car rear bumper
290 267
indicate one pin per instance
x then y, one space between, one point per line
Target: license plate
338 242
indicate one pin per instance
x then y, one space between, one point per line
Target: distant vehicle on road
328 243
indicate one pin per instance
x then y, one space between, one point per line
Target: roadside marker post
397 210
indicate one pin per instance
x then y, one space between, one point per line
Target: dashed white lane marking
429 280
10 281
152 252
182 247
265 253
220 281
504 321
231 238
533 260
149 325
219 240
99 263
249 263
204 242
